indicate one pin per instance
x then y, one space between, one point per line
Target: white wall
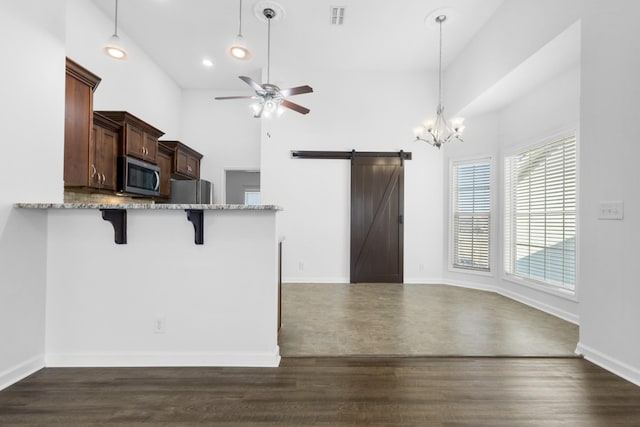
136 85
218 301
605 98
548 109
224 132
518 29
373 111
32 129
609 250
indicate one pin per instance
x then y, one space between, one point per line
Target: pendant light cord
240 23
115 31
440 70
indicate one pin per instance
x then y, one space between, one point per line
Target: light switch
611 210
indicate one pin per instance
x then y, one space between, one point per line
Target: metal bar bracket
196 217
117 218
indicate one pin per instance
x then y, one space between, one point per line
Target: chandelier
439 130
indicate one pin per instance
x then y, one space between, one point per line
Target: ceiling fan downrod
269 14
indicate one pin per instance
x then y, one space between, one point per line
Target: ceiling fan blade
295 107
234 97
255 85
296 90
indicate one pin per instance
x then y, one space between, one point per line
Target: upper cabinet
186 160
103 153
138 139
78 124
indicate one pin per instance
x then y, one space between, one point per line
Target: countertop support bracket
117 218
196 217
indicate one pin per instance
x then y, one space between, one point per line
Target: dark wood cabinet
186 160
103 153
80 84
165 161
138 139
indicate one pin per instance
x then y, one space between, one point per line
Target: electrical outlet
611 210
159 325
421 267
301 266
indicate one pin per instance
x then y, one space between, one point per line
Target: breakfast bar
163 298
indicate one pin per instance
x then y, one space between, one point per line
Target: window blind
540 213
471 196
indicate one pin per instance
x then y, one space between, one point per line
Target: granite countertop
148 206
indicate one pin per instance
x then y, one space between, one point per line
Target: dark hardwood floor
330 392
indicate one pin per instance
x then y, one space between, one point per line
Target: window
540 214
471 207
251 197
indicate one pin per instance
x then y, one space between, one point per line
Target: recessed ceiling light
207 62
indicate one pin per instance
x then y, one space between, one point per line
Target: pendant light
238 48
439 130
114 48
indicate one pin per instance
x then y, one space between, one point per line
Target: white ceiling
376 35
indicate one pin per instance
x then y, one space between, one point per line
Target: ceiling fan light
270 106
114 48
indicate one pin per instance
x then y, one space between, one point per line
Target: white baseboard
163 359
315 280
422 281
18 372
612 365
471 285
554 311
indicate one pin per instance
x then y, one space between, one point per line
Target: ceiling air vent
337 15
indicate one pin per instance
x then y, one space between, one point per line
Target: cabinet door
102 158
164 161
134 138
187 165
181 162
192 167
107 154
77 131
150 148
93 163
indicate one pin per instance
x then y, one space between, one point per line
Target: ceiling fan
270 97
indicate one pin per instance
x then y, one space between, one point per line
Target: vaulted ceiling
376 35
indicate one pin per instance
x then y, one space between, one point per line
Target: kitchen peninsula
160 299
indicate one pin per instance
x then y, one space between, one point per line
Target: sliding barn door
377 209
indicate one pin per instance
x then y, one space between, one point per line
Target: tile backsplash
71 196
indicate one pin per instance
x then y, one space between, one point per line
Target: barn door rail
349 155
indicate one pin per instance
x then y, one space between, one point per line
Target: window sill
547 289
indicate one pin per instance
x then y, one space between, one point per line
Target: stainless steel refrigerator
197 191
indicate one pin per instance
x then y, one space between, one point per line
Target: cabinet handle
189 168
104 179
94 172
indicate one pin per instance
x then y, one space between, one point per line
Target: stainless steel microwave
138 177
